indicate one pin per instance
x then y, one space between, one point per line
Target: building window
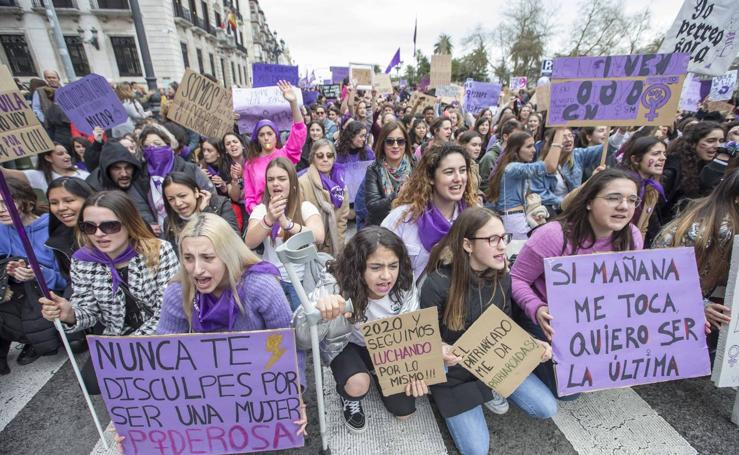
200 60
17 55
233 74
218 18
126 55
185 58
77 55
212 65
241 75
112 4
223 71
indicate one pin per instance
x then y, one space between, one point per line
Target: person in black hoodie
120 170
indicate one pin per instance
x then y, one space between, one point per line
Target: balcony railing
111 4
181 12
242 49
68 4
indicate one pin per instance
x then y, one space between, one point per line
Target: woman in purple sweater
596 221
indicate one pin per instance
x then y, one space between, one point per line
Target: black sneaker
27 355
354 416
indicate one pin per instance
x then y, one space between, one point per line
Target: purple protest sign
623 319
354 173
310 97
267 74
339 73
90 102
480 95
216 393
609 67
255 104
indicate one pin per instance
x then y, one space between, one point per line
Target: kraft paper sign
383 84
202 106
405 348
441 70
422 100
362 77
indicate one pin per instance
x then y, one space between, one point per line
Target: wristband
290 228
266 224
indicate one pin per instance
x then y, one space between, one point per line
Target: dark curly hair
691 164
344 146
350 264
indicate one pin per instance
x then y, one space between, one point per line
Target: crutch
301 249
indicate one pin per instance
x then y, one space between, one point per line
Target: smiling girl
51 165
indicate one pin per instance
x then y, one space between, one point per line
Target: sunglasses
108 227
329 155
391 141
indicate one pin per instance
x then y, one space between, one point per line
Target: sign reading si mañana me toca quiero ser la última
623 319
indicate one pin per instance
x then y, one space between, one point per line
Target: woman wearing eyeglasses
596 221
323 186
388 172
118 276
466 274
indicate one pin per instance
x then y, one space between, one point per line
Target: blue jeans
292 296
470 431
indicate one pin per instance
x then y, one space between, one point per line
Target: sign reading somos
202 106
216 393
622 319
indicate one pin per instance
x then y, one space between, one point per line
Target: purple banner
309 97
623 319
216 393
339 73
267 74
480 95
608 67
354 173
90 102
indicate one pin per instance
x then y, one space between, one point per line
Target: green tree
604 29
443 44
526 29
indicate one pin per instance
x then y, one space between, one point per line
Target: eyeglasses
320 113
391 141
614 200
329 155
494 240
108 227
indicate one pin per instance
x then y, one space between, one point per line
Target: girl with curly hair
352 145
374 271
431 199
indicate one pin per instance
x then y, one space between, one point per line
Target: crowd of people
150 228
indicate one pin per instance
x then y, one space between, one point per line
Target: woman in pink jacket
265 146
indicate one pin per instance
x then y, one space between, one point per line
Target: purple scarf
159 160
218 314
433 226
334 184
89 254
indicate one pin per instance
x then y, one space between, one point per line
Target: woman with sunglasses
265 146
467 273
597 220
323 186
388 172
20 317
118 276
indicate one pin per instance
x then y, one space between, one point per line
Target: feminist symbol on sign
653 98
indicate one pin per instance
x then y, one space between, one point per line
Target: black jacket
378 203
58 126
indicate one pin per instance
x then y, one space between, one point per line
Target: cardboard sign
202 106
405 348
624 90
332 91
268 74
451 93
441 70
383 84
498 352
480 95
719 106
517 83
90 102
216 393
339 73
623 319
722 87
543 97
690 96
726 364
21 134
362 77
255 104
707 30
423 101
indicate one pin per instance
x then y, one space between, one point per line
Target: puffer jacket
333 335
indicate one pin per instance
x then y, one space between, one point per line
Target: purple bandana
433 226
89 254
334 184
159 160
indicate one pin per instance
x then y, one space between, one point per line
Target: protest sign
624 90
546 67
339 73
255 104
383 84
543 97
268 74
441 70
330 91
405 348
90 102
706 29
719 106
21 134
361 77
202 106
517 83
309 96
354 173
726 365
623 319
498 352
690 96
421 100
216 393
480 95
722 87
448 94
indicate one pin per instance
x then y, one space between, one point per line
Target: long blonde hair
229 248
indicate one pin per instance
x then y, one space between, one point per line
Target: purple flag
394 62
